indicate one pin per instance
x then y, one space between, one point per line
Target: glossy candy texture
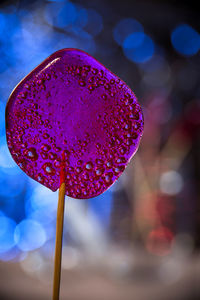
71 110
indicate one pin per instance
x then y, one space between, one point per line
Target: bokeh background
141 238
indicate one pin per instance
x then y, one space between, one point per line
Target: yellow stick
58 246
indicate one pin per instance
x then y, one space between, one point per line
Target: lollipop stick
59 235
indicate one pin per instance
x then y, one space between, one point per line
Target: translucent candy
71 110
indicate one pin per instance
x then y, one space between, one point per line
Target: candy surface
72 109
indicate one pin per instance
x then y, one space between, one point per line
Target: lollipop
74 125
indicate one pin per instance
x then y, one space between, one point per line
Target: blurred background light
138 47
60 14
3 63
134 40
101 206
159 241
124 28
171 270
44 201
82 16
29 235
85 228
40 206
33 263
69 16
185 40
83 40
2 22
71 257
2 121
6 160
171 182
10 21
7 227
66 16
10 185
94 24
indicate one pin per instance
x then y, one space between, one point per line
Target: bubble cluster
72 111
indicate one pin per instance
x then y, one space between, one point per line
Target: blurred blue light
60 14
41 205
30 43
134 40
12 254
7 227
124 28
11 185
2 117
101 206
94 23
83 40
43 198
138 47
29 235
51 11
82 17
185 40
6 161
62 41
3 62
10 22
66 16
2 22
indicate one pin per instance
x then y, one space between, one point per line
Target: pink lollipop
74 125
72 104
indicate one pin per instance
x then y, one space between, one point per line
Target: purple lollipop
72 111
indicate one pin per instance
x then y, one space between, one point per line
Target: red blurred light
159 241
